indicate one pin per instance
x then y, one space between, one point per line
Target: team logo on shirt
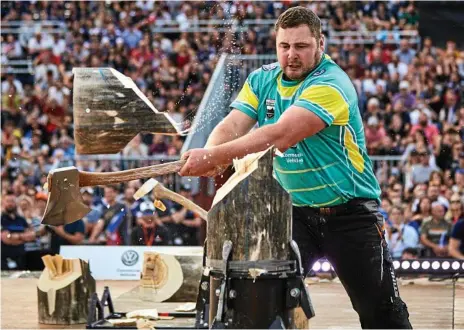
270 108
269 67
318 73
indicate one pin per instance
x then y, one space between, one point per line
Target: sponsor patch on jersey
318 73
269 67
270 108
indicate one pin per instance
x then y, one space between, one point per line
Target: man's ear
322 42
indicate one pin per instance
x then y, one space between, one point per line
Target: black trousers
353 241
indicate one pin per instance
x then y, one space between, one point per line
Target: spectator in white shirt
400 236
395 66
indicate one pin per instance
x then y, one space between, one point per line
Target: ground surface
430 304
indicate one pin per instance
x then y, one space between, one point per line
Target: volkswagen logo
130 258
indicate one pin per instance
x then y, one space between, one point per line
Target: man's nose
292 53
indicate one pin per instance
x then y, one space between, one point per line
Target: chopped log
253 211
109 110
64 289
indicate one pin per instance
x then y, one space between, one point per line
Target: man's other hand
200 162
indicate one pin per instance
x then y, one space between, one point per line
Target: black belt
346 208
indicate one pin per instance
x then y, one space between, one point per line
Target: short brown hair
296 16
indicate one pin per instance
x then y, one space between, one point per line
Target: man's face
438 211
110 194
9 203
433 192
298 51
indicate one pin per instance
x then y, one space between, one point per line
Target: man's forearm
256 141
221 134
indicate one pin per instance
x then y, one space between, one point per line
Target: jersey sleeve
247 99
327 101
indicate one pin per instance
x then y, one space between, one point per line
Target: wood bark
255 215
191 269
66 299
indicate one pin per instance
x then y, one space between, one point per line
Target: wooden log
64 289
109 110
253 211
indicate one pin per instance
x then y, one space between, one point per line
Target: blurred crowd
410 96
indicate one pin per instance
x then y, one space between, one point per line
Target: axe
161 192
109 110
65 204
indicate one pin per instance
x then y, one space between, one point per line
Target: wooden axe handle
88 179
163 192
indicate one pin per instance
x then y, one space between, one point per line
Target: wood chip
187 307
151 314
122 322
49 264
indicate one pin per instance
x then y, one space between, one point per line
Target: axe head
64 204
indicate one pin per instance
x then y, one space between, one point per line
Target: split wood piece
109 110
64 289
161 192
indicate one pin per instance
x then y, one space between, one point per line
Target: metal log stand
255 274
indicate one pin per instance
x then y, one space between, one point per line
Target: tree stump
64 289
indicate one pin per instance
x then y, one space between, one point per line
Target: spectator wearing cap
435 233
399 234
15 232
409 100
149 230
375 133
373 109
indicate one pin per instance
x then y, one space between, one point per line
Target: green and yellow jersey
332 166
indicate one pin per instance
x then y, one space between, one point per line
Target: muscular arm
234 126
294 125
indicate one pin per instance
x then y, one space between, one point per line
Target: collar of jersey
291 83
287 88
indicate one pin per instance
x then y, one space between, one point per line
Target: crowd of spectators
410 96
